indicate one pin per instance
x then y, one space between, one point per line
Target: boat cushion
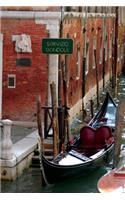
87 136
95 138
103 133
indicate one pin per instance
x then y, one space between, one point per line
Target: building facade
27 72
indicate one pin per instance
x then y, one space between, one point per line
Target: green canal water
30 181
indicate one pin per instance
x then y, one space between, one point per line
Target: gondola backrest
94 138
87 136
103 133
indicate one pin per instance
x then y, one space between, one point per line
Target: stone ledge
12 173
21 149
22 156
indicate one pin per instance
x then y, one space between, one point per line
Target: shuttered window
11 80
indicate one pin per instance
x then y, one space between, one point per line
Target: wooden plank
114 75
97 79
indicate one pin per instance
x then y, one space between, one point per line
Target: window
80 8
88 9
68 8
23 62
96 9
11 81
99 9
102 10
78 62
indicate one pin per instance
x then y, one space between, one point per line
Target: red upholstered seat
91 138
103 133
87 136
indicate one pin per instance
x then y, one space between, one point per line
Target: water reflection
86 184
30 182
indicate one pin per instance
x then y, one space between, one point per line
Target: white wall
52 24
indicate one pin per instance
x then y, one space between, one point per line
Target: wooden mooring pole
54 120
91 106
65 87
60 86
61 108
97 79
41 143
103 71
84 64
45 120
39 120
115 45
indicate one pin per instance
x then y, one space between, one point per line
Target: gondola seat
87 137
91 138
103 135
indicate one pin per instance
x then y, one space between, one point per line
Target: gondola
93 147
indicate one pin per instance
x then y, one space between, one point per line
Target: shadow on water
30 182
83 184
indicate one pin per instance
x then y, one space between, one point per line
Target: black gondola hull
55 172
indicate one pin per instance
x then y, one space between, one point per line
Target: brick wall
94 28
72 27
20 103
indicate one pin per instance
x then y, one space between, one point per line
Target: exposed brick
20 103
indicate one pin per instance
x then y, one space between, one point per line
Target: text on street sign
57 46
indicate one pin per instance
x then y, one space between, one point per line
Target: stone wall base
14 172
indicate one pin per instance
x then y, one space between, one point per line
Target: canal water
30 181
